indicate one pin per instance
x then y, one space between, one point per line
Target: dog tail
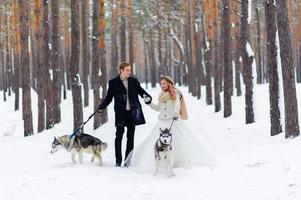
104 146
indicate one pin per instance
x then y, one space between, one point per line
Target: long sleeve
155 107
140 90
108 98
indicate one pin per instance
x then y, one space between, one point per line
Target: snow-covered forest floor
251 163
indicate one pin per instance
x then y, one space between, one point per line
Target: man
128 112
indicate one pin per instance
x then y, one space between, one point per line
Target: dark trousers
130 137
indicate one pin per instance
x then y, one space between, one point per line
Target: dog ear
54 138
161 130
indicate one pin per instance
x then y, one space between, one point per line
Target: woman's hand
175 116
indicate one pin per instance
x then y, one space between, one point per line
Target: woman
186 149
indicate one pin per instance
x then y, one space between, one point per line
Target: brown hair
124 65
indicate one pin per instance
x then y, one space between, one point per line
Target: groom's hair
124 65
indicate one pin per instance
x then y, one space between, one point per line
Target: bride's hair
171 90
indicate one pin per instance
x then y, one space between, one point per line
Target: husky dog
163 150
82 143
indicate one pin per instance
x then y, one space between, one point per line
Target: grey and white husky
82 143
163 151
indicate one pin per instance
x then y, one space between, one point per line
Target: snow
196 27
249 49
49 45
50 73
281 95
249 11
100 92
252 164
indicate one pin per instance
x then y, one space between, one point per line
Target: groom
128 112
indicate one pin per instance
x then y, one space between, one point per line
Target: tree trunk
123 31
75 84
237 46
131 37
217 76
55 58
288 74
96 62
3 76
67 49
40 65
114 46
208 60
247 60
259 63
152 60
145 48
85 49
270 11
16 53
199 64
26 93
32 57
191 47
103 66
227 59
48 84
237 57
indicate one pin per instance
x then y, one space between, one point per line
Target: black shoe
118 165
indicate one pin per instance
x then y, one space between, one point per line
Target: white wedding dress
186 149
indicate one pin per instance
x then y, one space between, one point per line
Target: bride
186 149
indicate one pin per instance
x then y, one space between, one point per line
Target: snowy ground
252 165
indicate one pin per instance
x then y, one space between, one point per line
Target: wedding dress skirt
186 149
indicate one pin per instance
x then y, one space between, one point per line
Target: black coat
117 91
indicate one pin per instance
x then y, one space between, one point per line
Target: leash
72 136
82 125
174 119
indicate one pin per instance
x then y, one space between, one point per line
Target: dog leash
81 126
72 136
174 119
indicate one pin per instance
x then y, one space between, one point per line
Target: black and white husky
163 151
82 143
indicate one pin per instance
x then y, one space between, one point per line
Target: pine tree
288 73
26 93
270 11
55 60
227 59
85 49
75 82
247 61
40 65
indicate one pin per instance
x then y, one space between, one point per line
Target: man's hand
147 99
100 110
